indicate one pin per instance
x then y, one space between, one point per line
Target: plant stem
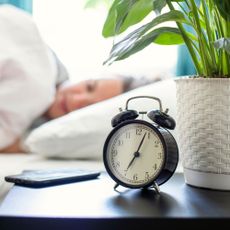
222 58
209 35
204 55
225 60
187 41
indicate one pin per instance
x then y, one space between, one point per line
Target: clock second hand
137 153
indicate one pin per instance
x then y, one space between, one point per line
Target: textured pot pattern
203 124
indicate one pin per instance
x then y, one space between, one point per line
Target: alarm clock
140 153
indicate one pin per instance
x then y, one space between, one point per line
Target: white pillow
82 133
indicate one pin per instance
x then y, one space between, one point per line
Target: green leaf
153 36
171 36
123 14
116 16
122 11
224 8
130 42
173 15
109 25
223 43
137 13
158 5
120 48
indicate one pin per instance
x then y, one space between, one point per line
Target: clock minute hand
136 154
142 140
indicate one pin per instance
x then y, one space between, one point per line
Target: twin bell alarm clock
141 153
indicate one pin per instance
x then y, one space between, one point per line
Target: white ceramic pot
203 130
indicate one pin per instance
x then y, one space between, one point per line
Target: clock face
134 154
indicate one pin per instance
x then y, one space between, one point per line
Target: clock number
120 142
159 155
156 144
138 131
117 164
114 153
148 135
155 166
146 175
127 135
135 177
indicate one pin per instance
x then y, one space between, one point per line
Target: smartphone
50 177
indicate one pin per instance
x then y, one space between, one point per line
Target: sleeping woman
34 84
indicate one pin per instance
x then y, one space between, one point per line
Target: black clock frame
171 157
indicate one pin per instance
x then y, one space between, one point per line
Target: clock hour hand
136 154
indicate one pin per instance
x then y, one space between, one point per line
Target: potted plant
203 100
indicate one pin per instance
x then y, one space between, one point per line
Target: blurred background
73 29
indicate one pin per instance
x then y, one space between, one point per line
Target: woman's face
79 95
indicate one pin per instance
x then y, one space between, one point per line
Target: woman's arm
13 148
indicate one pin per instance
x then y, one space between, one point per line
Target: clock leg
115 187
156 187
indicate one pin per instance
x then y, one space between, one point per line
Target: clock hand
136 154
141 142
